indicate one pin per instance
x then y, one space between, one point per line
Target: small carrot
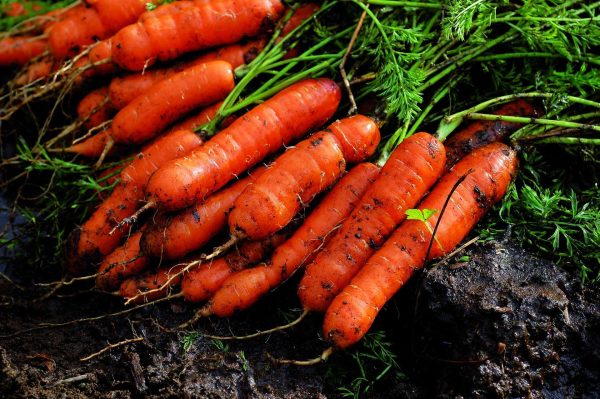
93 240
151 285
125 261
272 201
95 108
35 70
244 288
173 236
480 133
168 36
94 146
19 50
407 175
263 130
170 99
487 171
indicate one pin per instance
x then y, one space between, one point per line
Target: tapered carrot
173 236
95 107
168 36
298 175
244 288
151 285
125 261
19 50
93 240
170 99
480 133
487 172
407 175
35 70
260 132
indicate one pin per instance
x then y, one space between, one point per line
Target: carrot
480 133
125 89
488 172
195 121
166 37
95 107
19 50
244 288
92 241
172 236
407 175
151 285
298 175
123 262
36 70
260 132
116 14
170 99
19 9
94 146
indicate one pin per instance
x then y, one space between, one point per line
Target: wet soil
504 324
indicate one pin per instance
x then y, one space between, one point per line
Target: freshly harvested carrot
170 99
92 241
488 172
278 121
299 174
93 147
244 288
116 14
125 261
125 89
95 107
481 133
151 285
200 282
407 175
168 36
19 50
35 70
19 9
173 236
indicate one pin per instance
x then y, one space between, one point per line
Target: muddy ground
502 324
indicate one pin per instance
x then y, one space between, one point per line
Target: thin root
324 356
111 346
133 218
222 248
202 312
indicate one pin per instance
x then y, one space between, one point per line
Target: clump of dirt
507 324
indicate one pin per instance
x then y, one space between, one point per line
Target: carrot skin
92 241
19 50
203 281
170 99
243 289
271 202
480 133
263 130
125 261
95 107
173 236
488 171
407 175
149 281
35 70
166 37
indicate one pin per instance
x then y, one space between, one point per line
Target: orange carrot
35 70
92 147
488 172
481 133
168 36
125 261
278 121
92 241
407 175
170 99
95 107
19 50
299 174
172 236
140 286
244 288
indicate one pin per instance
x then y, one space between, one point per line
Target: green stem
415 4
545 19
541 130
540 121
569 140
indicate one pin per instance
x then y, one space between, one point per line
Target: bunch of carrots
288 180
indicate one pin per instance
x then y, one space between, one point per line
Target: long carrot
480 133
95 107
488 172
92 241
168 36
170 99
407 175
19 50
299 174
172 236
151 285
260 132
244 288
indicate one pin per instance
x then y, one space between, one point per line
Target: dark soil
503 324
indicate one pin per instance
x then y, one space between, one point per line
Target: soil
503 324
